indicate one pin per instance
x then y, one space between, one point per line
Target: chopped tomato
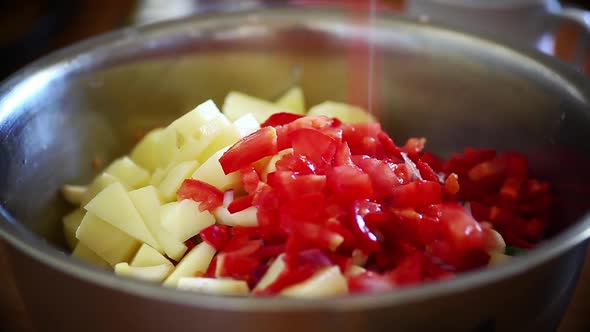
242 245
433 161
313 122
383 177
268 251
240 204
343 155
389 147
296 163
347 195
462 163
349 183
362 212
216 235
307 207
316 146
414 147
250 179
489 169
464 231
426 171
312 257
249 149
236 267
417 194
291 185
510 190
363 139
280 119
204 193
308 235
408 271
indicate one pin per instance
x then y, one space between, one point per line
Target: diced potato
107 241
114 206
156 150
167 147
247 124
238 104
146 152
244 218
227 136
155 273
83 253
355 270
131 174
211 172
214 286
345 112
359 257
189 151
497 243
172 181
498 258
157 177
328 282
98 184
184 220
70 223
73 194
292 100
148 256
335 241
195 262
202 123
276 268
147 202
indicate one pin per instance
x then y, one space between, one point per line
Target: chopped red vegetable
348 195
249 149
280 119
240 204
216 235
204 193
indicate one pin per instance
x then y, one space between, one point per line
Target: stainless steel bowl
87 101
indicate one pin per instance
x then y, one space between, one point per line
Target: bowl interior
92 101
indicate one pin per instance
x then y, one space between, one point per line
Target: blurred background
32 28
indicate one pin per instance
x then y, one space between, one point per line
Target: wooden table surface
13 315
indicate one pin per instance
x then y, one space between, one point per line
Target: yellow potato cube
70 223
107 241
195 262
345 112
114 206
184 220
238 104
131 174
292 100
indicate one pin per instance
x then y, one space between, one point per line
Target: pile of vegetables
267 199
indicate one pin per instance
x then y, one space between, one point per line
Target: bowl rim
38 249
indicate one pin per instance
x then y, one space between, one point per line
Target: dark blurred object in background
579 3
32 28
